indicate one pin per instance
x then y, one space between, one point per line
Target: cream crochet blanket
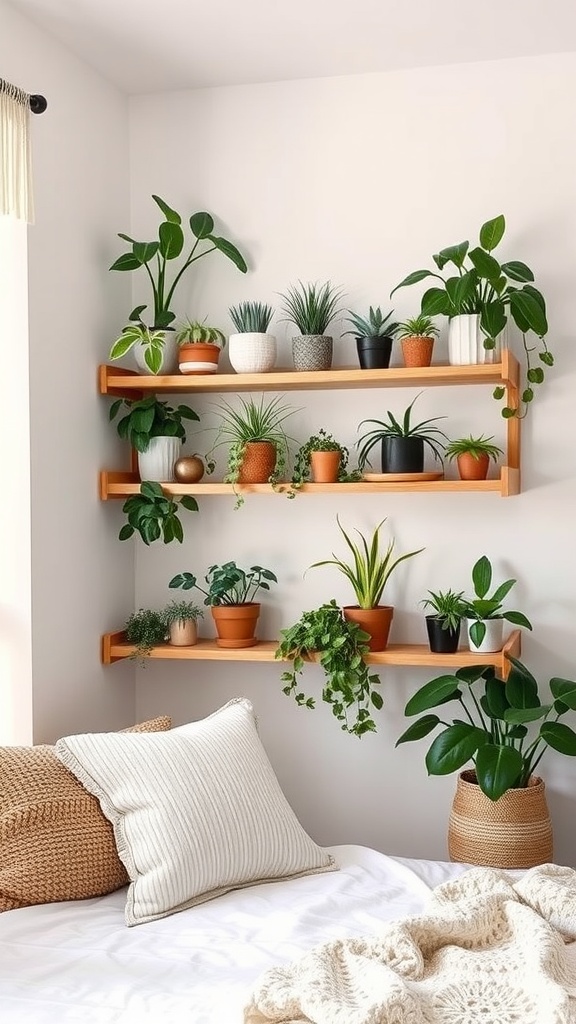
486 952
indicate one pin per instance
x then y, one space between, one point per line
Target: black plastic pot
442 641
402 455
374 353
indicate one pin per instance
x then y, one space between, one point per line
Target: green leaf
123 345
526 309
413 278
419 729
517 271
177 531
126 532
517 619
465 288
535 375
497 769
201 225
153 359
453 748
477 633
435 302
230 251
493 319
564 690
499 393
546 358
491 232
519 716
189 502
560 737
482 576
151 489
168 212
136 313
455 254
521 690
144 251
496 698
487 267
171 240
377 700
128 261
429 695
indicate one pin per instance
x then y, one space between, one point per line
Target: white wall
82 579
359 180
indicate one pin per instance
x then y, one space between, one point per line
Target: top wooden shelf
116 381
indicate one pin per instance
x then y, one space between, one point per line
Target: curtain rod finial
38 104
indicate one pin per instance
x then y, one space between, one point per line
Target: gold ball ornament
189 469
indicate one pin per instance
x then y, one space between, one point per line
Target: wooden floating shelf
116 381
114 648
122 485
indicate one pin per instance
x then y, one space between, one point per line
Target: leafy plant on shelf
496 291
145 628
340 647
311 307
426 430
182 611
155 257
494 737
192 332
251 317
153 514
482 607
447 606
321 442
418 327
227 583
151 340
374 325
148 417
474 446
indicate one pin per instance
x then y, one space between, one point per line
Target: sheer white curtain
15 154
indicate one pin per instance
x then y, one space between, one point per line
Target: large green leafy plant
227 583
148 417
153 514
499 734
489 606
497 291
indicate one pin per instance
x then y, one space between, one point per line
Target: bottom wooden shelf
115 648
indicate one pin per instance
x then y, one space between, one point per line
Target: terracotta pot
236 624
375 621
325 467
417 351
183 634
512 832
198 357
258 463
470 468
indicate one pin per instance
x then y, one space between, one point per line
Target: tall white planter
252 352
466 342
157 463
169 363
493 637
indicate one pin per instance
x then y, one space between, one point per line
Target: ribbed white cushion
196 811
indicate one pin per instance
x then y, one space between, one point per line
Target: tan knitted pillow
55 843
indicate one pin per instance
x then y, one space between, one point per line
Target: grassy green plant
145 628
192 332
495 736
227 583
251 317
152 342
447 607
321 442
148 417
153 514
474 446
400 428
374 325
482 607
155 256
312 307
340 647
182 611
370 569
418 327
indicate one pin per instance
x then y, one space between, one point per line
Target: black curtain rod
37 103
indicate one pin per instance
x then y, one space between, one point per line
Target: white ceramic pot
169 362
252 352
183 634
157 462
466 342
493 637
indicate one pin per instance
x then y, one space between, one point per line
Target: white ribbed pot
466 342
252 352
157 462
493 637
169 362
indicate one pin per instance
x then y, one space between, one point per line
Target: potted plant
252 349
154 350
154 257
374 336
473 456
258 444
199 347
484 615
323 458
153 514
145 629
443 624
230 595
480 298
155 429
181 619
402 442
369 572
312 308
417 336
499 815
340 646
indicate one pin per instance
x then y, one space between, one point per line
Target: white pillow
196 811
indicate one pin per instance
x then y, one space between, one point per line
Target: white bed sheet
78 962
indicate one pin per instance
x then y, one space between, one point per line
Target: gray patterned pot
312 352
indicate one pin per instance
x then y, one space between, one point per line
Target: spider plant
251 317
312 307
192 332
375 325
447 607
474 446
418 327
370 569
425 430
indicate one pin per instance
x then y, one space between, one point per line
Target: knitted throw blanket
485 952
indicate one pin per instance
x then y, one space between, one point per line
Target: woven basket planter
312 352
258 463
512 832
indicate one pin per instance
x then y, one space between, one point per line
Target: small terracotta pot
258 463
183 634
236 624
375 621
470 468
198 357
325 467
417 351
